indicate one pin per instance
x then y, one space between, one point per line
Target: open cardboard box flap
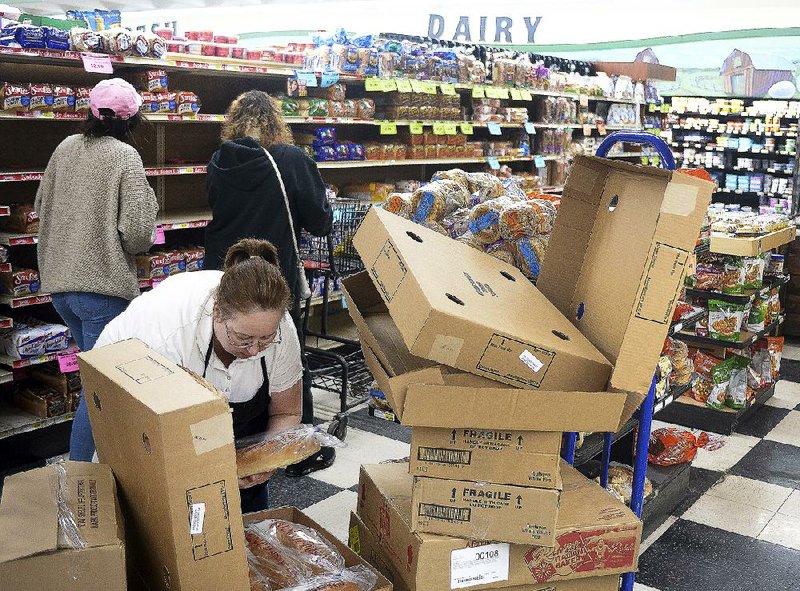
437 396
616 260
459 307
29 514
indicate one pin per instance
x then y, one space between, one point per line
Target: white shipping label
479 566
198 515
530 360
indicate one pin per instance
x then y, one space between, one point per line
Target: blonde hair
256 114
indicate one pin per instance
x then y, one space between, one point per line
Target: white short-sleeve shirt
175 319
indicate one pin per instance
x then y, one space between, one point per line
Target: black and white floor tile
738 528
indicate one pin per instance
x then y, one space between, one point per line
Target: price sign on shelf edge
494 128
329 79
388 128
160 237
494 163
97 63
538 161
68 363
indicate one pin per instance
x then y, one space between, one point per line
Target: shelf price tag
538 161
68 363
516 94
530 128
502 93
447 88
160 237
467 129
651 108
428 87
494 163
388 128
584 100
417 86
310 78
373 84
329 79
478 92
601 128
450 128
526 95
491 92
415 127
494 128
404 85
97 63
439 128
389 85
587 129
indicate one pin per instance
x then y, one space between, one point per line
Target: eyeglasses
247 343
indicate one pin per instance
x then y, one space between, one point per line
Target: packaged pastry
139 45
308 545
50 375
85 40
63 99
187 103
153 266
365 108
167 102
149 102
193 258
22 219
484 186
259 455
82 99
23 341
14 96
350 108
41 97
117 41
153 81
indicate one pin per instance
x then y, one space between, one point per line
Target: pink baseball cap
118 96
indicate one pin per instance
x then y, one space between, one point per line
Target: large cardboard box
596 536
526 458
485 511
365 543
616 260
351 557
168 437
36 552
460 307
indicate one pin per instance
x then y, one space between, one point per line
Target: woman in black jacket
246 202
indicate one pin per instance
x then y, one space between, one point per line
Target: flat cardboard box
596 535
616 261
168 437
463 308
35 552
750 246
485 511
365 543
638 70
351 558
526 458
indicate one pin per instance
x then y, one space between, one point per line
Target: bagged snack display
455 174
670 446
725 320
721 377
759 312
736 395
484 186
259 455
399 204
527 218
19 282
682 366
22 219
484 220
733 277
774 347
271 564
754 272
704 384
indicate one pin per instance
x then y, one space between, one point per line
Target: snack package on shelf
20 282
620 482
33 338
40 400
259 455
736 395
22 220
725 320
703 386
682 366
670 446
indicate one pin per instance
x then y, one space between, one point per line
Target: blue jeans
86 315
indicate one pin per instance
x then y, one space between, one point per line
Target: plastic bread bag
69 534
271 561
455 174
299 546
754 272
436 227
704 384
670 446
355 578
484 220
399 204
260 454
258 582
484 186
529 255
435 200
471 240
620 482
457 223
725 320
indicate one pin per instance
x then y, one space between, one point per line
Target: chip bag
670 446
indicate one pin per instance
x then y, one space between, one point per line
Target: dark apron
249 417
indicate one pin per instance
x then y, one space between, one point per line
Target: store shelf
175 170
748 295
14 421
24 301
739 150
630 155
593 442
42 116
184 220
556 189
7 239
381 163
758 193
717 131
28 361
746 338
671 396
690 413
753 245
6 322
6 377
737 115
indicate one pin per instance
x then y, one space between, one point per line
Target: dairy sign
484 29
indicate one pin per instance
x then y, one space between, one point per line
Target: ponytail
253 280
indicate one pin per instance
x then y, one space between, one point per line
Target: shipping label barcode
198 514
444 513
442 455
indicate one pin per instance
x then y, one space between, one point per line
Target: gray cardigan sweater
97 211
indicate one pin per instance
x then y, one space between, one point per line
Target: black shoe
324 459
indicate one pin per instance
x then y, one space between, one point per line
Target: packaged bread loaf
356 578
41 97
270 561
399 204
306 545
472 241
455 174
484 186
435 200
259 455
19 282
484 219
14 96
82 99
63 99
529 255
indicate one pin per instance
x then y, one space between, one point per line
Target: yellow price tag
502 93
478 92
417 85
447 88
467 129
373 84
415 128
491 92
439 128
428 87
450 128
388 128
403 85
651 108
516 94
389 85
526 95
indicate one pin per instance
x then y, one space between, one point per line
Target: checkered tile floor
738 530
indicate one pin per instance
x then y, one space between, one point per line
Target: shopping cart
340 369
645 412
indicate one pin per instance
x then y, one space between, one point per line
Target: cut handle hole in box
580 312
561 335
612 205
146 443
507 275
453 298
96 400
414 237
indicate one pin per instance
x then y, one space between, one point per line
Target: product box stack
490 371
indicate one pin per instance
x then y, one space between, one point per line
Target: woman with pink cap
97 212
